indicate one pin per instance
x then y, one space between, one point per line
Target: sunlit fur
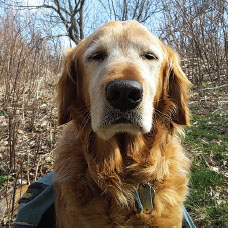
98 170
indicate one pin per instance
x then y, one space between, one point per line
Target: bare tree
69 16
68 13
198 30
29 69
122 10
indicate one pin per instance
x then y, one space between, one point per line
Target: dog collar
144 198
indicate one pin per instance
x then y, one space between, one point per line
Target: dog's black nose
124 94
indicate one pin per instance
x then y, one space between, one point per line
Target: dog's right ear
67 88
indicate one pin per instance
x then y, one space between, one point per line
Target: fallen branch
217 87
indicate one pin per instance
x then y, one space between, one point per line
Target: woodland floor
206 143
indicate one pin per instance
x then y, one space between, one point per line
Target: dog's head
119 78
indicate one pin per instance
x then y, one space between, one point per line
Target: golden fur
96 177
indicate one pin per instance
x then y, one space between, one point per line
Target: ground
207 144
29 137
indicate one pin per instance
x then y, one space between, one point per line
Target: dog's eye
149 56
98 56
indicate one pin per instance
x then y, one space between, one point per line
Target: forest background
33 37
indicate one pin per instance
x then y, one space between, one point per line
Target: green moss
2 180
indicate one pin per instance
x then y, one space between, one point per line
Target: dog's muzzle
124 95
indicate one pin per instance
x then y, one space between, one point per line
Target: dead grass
29 73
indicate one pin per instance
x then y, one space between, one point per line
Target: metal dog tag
146 195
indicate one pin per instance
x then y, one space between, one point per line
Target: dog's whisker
164 117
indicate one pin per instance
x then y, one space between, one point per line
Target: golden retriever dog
124 98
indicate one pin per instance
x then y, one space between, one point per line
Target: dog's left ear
177 89
67 89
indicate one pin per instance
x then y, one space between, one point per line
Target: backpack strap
35 202
187 220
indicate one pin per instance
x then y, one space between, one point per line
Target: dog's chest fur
98 180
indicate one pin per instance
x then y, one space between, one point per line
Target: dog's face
122 69
122 73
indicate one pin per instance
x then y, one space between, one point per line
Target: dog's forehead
125 30
123 33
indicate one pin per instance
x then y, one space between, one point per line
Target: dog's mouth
115 117
115 121
122 121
